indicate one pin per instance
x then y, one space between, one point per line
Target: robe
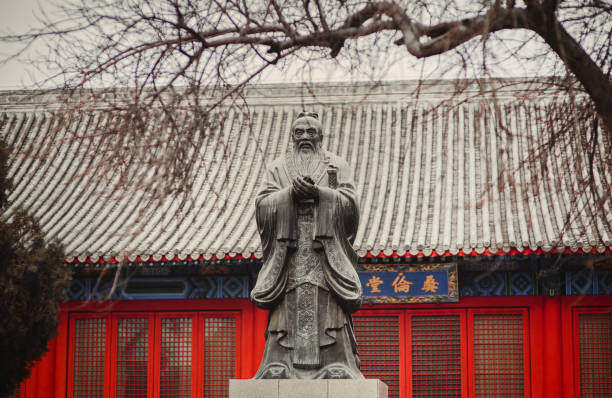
308 279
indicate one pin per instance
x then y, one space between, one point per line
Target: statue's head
307 132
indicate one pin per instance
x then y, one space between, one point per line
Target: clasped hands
305 188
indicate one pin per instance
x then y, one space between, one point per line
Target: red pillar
30 384
552 354
42 380
45 375
61 356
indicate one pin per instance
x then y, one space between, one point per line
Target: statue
307 216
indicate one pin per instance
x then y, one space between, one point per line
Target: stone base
290 388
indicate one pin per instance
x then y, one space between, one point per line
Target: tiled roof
433 179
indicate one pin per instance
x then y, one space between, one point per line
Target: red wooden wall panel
571 308
552 360
592 348
437 353
381 347
499 363
131 347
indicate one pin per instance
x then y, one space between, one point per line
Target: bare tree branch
214 48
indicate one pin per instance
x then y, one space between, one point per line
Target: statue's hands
304 188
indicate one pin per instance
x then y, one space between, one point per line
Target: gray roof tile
430 178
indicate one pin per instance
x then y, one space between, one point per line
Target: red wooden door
447 352
153 354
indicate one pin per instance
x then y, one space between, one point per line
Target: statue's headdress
312 118
311 114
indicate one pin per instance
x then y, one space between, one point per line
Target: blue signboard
409 284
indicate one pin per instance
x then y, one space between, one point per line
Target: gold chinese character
430 285
400 284
373 283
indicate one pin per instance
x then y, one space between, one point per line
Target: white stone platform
289 388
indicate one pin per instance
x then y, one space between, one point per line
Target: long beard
307 161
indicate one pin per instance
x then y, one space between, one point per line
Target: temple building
484 257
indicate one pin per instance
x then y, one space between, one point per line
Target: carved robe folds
308 280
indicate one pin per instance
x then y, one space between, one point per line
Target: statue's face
306 136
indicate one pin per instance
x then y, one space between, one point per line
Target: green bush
32 281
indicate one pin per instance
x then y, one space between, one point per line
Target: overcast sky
19 15
16 16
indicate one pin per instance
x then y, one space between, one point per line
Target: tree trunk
592 78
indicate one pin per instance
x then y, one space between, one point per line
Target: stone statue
307 216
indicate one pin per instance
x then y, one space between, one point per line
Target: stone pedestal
289 388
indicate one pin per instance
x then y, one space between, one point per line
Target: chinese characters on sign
400 284
373 284
430 284
410 284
